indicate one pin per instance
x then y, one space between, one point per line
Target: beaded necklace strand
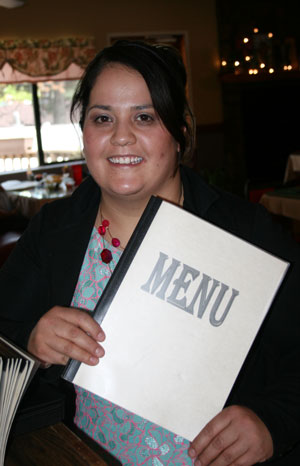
106 255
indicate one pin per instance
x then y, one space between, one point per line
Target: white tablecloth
292 171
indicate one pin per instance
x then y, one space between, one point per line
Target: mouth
125 160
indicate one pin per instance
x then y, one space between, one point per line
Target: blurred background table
20 200
284 205
292 170
284 202
29 201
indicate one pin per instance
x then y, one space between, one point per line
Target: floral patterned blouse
130 438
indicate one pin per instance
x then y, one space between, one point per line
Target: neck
124 213
123 218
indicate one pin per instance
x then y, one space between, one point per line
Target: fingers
72 342
211 434
64 333
78 334
234 436
77 318
47 354
221 453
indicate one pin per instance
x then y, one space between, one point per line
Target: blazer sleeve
23 285
42 271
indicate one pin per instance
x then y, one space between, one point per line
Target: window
35 127
37 81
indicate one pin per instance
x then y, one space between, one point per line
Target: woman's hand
64 333
235 436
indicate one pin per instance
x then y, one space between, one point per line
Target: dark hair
164 73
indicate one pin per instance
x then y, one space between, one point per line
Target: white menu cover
182 321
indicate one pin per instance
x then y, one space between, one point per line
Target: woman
137 128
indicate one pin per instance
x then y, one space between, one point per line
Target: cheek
167 159
87 137
91 137
168 152
162 156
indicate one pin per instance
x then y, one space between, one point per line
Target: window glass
61 140
18 148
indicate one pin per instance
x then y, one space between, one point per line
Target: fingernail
94 360
192 453
99 351
100 336
198 463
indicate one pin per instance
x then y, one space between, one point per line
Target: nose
123 135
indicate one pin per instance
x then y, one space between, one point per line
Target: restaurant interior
243 86
243 63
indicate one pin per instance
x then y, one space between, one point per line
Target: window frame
37 123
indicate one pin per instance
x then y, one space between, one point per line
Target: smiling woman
128 150
137 131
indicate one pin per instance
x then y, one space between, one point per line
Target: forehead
120 82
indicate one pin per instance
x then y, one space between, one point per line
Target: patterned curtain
45 57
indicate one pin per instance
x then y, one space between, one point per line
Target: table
284 202
53 445
29 201
18 185
292 170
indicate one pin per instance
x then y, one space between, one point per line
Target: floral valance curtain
47 58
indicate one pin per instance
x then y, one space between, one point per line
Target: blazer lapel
67 247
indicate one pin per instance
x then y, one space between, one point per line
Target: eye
145 118
102 119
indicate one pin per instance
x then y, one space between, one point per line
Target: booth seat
8 241
12 225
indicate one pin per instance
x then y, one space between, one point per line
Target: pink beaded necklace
106 254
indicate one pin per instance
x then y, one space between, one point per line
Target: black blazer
43 270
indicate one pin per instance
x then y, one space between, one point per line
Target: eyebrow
109 107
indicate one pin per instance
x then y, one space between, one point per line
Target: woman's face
128 150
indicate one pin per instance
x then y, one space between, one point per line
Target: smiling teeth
125 160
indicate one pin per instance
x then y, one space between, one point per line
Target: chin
125 191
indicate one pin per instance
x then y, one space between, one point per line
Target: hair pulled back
164 73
